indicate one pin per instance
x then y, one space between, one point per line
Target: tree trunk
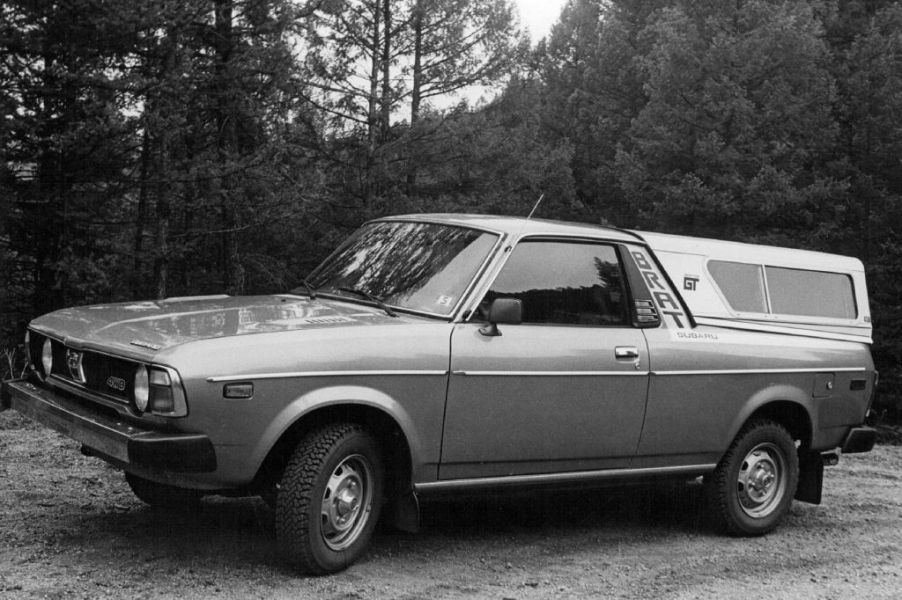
141 214
160 141
373 117
386 100
416 92
226 116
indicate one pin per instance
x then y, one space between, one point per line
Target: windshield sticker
445 301
663 297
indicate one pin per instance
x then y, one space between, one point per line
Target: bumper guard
860 439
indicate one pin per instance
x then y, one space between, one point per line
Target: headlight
142 388
47 357
158 390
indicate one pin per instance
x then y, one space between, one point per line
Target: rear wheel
329 499
754 484
161 495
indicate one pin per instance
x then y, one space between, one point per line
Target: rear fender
759 402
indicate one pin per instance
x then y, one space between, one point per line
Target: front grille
108 375
113 377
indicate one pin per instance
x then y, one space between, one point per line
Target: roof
659 242
519 226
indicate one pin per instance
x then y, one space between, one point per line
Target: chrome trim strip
298 374
761 371
796 329
548 373
545 478
658 373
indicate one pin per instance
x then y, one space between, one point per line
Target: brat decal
663 297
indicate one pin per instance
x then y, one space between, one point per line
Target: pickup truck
456 354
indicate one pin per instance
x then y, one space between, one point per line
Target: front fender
338 395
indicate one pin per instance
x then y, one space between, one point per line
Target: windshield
417 266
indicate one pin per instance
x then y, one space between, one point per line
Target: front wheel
329 499
754 483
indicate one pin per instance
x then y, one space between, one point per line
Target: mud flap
811 479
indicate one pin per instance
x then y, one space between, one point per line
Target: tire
160 495
752 487
329 499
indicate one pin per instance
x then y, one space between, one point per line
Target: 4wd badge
117 383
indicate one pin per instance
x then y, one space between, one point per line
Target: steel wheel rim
347 502
761 481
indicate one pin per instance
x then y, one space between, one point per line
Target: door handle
623 352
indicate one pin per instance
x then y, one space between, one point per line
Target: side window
811 293
788 291
742 284
569 283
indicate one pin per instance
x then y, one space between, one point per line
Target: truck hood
142 328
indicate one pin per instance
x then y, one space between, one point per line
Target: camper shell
765 288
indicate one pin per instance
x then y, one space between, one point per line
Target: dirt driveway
70 528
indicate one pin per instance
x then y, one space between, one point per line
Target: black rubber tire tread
297 529
160 495
727 516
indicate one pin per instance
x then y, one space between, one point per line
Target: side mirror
508 311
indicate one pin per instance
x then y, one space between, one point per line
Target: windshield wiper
375 299
311 291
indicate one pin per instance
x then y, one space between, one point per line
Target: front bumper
108 437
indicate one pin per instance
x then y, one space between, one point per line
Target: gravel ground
70 528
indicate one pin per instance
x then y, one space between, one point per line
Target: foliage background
153 149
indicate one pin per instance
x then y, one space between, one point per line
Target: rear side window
742 285
784 291
810 293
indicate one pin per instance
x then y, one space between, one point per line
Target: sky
535 15
539 15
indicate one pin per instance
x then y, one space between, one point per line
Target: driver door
563 391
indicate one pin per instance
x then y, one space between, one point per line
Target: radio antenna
539 201
523 224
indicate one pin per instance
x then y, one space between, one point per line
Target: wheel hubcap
347 502
761 483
